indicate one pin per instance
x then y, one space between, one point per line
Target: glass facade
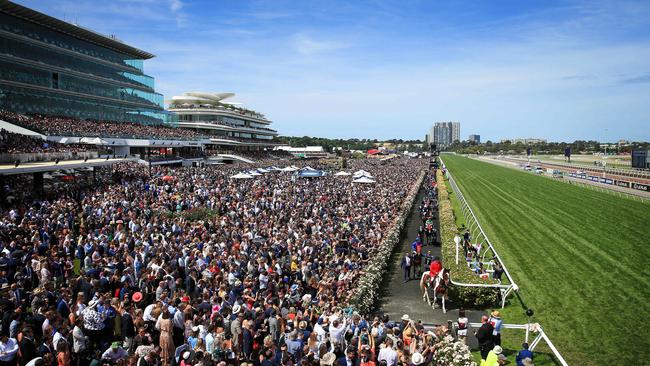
48 72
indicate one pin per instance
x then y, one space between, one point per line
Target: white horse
440 285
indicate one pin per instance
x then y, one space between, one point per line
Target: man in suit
484 337
128 328
406 266
27 346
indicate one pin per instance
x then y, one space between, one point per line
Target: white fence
478 236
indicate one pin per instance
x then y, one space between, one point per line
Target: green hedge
468 297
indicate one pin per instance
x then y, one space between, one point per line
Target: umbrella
241 176
364 180
67 178
167 178
262 170
253 173
289 169
341 173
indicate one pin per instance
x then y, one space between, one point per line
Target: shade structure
362 173
306 173
308 168
364 180
263 171
254 173
242 176
342 173
289 169
168 178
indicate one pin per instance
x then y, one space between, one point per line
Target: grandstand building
227 124
52 67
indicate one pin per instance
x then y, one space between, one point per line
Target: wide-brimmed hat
236 309
496 314
497 350
302 324
92 303
406 317
527 362
137 296
328 359
417 358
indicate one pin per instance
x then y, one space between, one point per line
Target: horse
440 285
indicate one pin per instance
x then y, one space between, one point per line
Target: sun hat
497 350
137 296
235 309
496 314
328 359
527 362
417 358
92 303
186 355
406 317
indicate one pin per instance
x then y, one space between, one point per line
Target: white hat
195 328
186 355
92 303
406 317
235 309
497 350
417 358
328 359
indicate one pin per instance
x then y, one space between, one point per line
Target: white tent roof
289 169
242 176
364 180
362 173
342 173
253 173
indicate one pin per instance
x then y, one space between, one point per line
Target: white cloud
307 45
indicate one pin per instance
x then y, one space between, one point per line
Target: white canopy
361 173
253 173
364 180
262 170
342 173
241 176
289 169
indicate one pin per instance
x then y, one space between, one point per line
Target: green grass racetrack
580 257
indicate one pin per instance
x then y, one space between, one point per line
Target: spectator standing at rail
485 337
495 320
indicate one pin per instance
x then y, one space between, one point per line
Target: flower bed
364 294
472 297
450 353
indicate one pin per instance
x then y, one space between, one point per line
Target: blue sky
561 70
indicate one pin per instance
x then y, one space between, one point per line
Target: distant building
305 152
528 141
475 139
444 134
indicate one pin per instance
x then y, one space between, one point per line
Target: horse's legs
444 310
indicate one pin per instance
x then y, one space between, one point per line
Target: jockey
435 268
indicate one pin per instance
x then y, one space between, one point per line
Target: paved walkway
400 298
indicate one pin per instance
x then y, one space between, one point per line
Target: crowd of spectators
63 126
190 267
14 143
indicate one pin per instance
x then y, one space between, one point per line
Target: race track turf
581 259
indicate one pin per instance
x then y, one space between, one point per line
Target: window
55 80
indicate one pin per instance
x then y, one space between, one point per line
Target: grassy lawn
580 258
455 205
